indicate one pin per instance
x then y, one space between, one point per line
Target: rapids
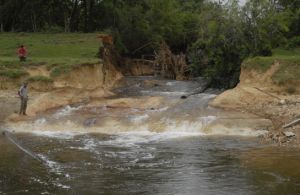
147 104
145 140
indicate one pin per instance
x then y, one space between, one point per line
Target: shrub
294 42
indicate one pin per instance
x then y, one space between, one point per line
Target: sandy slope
256 93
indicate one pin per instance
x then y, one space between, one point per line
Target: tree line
216 36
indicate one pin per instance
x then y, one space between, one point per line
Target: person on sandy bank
22 53
23 94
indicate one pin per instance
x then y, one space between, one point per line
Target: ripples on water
146 163
181 160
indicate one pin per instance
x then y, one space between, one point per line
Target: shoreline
13 106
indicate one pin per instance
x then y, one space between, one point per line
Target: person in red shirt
22 53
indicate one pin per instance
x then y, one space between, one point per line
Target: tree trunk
33 22
67 22
72 16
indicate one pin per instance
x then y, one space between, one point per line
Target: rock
289 134
90 122
282 102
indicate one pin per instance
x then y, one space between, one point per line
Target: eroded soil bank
258 94
254 102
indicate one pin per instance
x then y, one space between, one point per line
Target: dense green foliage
216 37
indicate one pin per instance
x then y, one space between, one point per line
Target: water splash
67 110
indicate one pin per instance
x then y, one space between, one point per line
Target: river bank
145 132
258 94
252 105
9 104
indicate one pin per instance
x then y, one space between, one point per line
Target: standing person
23 94
22 53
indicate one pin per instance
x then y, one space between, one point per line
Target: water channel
125 146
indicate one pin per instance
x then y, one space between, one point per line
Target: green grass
40 78
261 64
288 71
53 50
13 73
60 69
289 61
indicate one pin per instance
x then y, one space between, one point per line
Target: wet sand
9 104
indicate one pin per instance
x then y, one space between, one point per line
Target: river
171 146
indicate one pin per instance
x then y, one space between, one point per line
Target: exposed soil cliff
80 84
257 93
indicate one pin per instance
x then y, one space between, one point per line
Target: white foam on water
163 93
135 138
148 156
139 130
204 96
40 121
159 110
170 83
206 120
39 181
54 166
224 131
187 128
128 139
67 110
140 118
57 134
62 186
90 144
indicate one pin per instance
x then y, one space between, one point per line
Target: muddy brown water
126 156
147 164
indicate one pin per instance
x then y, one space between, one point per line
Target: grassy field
56 51
289 61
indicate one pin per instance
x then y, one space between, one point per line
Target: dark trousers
23 105
22 58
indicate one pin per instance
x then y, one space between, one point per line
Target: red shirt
22 52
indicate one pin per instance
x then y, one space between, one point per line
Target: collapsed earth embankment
272 92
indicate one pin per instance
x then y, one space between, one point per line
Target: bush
294 42
54 29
